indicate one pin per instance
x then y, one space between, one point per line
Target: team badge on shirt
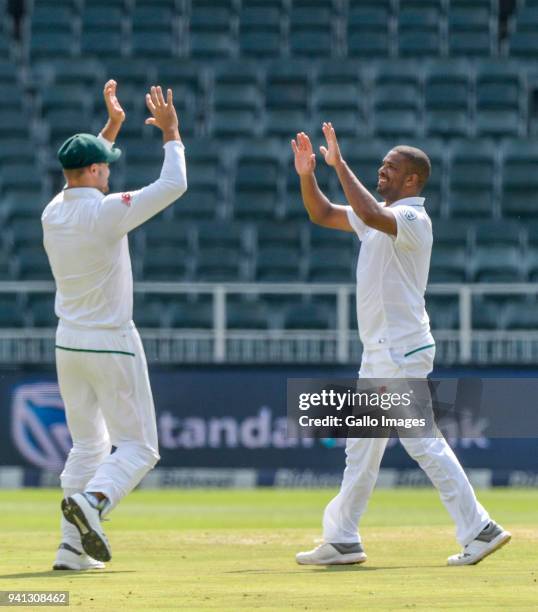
126 198
410 215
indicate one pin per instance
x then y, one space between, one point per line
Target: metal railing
339 345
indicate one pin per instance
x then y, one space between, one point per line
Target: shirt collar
412 201
73 193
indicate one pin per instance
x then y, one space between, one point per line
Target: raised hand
331 153
116 113
305 159
163 112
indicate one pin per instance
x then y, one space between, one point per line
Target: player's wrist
170 133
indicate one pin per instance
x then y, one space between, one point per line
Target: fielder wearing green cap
100 361
82 150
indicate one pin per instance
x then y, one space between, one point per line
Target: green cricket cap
82 150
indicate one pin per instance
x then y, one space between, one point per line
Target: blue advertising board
220 417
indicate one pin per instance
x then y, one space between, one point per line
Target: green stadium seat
8 72
447 95
419 32
519 178
24 232
149 312
41 310
210 34
152 43
166 263
32 264
324 238
167 233
243 315
104 45
260 29
487 313
51 17
443 311
17 151
47 44
448 264
497 264
199 203
15 178
218 264
27 204
130 72
472 30
311 29
472 179
94 17
147 18
11 314
308 317
174 5
331 265
195 315
531 261
255 204
521 317
278 264
524 45
367 30
279 234
498 233
227 235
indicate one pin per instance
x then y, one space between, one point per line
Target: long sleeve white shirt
85 237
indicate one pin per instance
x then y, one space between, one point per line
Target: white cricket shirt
392 273
85 237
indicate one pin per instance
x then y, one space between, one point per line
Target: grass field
234 550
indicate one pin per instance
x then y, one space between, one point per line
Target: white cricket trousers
104 383
434 455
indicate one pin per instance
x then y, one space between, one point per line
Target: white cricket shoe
69 558
332 554
78 510
490 539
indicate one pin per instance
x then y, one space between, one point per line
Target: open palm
331 152
115 111
305 159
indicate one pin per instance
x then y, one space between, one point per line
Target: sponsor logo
410 215
38 425
126 199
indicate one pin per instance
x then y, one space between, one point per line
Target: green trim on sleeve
75 350
420 348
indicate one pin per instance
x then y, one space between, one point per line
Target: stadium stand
452 76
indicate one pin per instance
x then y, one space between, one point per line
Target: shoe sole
61 567
504 538
334 562
92 542
500 541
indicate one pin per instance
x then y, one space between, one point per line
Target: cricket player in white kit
392 273
102 370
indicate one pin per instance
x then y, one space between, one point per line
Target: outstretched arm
359 198
121 213
320 210
116 114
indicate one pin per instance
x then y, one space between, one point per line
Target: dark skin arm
360 199
320 210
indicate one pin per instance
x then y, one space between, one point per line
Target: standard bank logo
38 425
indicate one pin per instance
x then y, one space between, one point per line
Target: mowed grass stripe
234 550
